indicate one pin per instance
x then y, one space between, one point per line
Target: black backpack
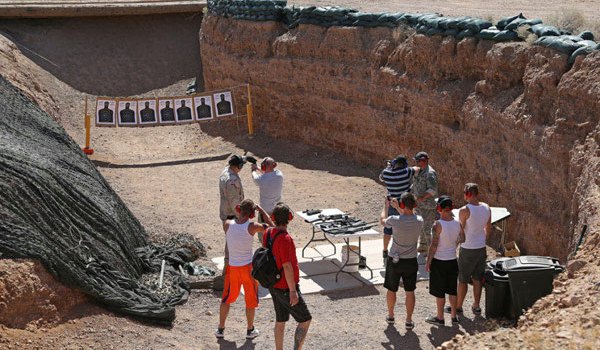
264 268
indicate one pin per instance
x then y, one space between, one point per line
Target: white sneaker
252 333
220 333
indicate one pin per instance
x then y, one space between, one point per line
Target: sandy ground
106 57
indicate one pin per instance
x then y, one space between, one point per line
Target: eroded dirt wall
509 116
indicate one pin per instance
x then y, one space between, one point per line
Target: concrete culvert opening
518 119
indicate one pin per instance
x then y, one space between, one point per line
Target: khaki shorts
471 264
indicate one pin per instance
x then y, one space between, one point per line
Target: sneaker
252 333
448 310
434 320
390 320
455 320
409 325
220 333
476 310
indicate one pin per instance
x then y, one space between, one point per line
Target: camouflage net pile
514 28
57 208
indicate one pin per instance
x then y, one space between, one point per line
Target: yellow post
88 126
249 112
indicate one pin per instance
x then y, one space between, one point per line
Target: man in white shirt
476 220
239 234
270 184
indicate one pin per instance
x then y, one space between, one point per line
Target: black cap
236 160
445 202
399 162
421 156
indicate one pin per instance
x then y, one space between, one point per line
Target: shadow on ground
292 152
112 56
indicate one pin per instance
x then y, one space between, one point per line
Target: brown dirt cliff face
508 116
30 296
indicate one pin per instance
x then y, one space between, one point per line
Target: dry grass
573 21
524 33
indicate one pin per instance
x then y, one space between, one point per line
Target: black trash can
517 283
497 294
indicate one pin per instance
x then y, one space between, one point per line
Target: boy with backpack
286 295
239 234
441 260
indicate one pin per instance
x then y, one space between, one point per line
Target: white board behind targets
105 112
203 108
127 113
224 103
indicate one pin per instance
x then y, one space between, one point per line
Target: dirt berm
513 117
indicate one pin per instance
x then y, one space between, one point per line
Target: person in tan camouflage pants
425 188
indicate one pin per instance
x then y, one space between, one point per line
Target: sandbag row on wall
250 10
513 28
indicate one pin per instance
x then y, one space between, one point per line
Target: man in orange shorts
239 234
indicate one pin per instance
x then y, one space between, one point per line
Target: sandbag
532 22
556 43
466 33
587 35
589 43
584 50
476 25
487 34
514 24
451 32
506 20
434 31
544 30
505 35
410 18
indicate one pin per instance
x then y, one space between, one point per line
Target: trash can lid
524 262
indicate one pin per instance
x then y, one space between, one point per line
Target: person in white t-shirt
441 260
476 220
270 184
239 234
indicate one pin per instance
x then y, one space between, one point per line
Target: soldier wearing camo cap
425 188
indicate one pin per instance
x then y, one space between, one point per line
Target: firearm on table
346 227
330 218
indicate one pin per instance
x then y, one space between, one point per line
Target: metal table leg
313 239
348 250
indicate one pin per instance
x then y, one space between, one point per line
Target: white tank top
239 244
475 226
446 249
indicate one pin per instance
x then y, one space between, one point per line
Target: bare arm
225 228
435 239
384 211
288 273
488 227
463 215
265 215
461 236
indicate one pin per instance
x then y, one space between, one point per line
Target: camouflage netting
57 208
514 28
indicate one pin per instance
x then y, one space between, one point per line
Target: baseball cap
400 161
236 160
421 155
445 202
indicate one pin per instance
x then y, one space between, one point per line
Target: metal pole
249 112
88 125
162 274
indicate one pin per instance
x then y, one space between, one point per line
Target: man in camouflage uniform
231 195
230 188
425 187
